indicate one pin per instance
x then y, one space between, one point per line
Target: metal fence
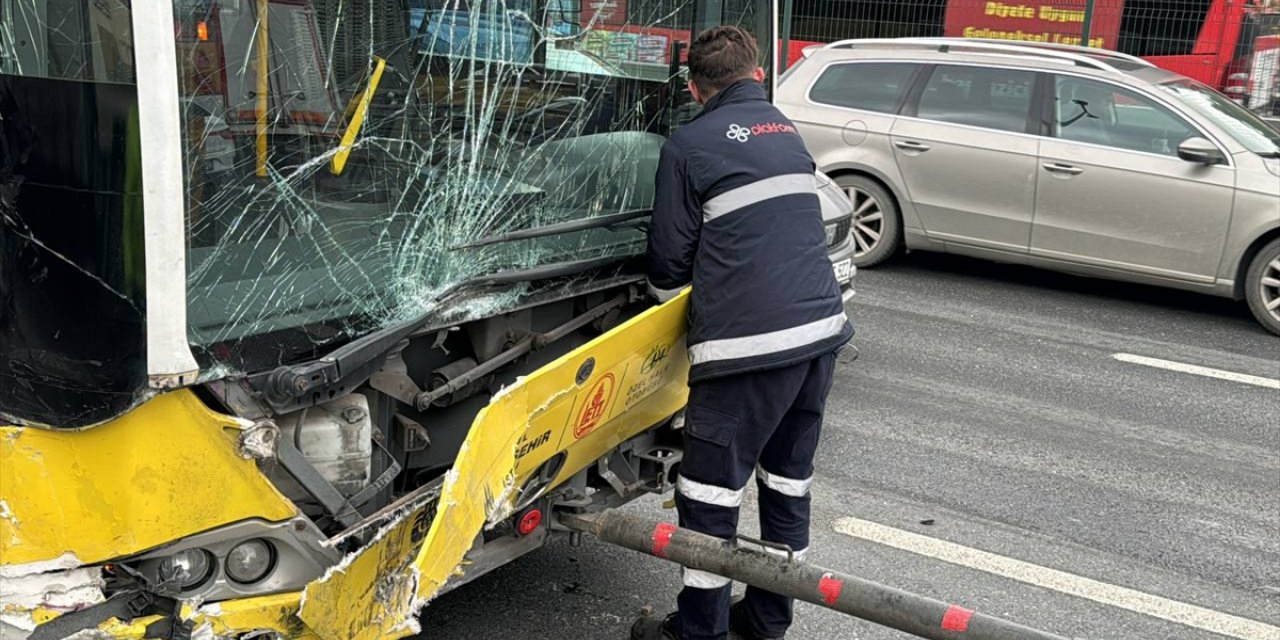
1232 45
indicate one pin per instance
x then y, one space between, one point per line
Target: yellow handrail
339 162
264 86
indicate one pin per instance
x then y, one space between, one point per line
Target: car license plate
844 270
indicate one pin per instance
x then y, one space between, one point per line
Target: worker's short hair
720 56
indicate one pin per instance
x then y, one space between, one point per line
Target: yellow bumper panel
275 613
588 402
164 471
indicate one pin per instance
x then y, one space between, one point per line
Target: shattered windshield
349 161
347 164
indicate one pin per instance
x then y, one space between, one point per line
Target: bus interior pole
785 36
1087 29
263 88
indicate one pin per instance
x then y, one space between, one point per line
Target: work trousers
765 422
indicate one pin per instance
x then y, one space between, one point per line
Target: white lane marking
1068 583
1170 365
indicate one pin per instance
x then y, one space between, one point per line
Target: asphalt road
1112 499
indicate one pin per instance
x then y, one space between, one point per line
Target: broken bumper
92 497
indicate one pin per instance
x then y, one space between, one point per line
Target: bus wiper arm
289 386
532 274
611 221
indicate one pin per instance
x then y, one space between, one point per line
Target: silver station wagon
1074 159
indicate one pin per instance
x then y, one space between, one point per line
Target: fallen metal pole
778 572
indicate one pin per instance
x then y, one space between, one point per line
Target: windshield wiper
532 274
611 221
291 387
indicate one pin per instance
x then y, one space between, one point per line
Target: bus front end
311 310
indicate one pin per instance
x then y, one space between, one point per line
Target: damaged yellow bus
313 309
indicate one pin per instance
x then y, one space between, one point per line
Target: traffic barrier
774 568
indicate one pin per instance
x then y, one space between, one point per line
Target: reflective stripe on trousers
767 423
785 486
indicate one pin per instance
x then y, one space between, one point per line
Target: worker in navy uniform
737 216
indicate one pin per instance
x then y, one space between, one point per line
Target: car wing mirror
1200 150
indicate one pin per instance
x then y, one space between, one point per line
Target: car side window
871 86
997 99
1101 113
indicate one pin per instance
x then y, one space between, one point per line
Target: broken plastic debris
54 585
61 563
258 441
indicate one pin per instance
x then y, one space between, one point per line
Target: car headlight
250 561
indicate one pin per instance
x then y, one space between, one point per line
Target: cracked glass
349 161
72 286
348 164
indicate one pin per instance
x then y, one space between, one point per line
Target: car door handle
1064 169
911 145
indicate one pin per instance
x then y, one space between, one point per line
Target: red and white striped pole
894 608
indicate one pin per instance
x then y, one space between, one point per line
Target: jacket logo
743 134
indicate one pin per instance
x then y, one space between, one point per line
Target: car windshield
1247 128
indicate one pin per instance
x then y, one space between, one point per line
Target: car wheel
1262 286
877 226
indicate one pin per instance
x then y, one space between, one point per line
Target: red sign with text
603 12
1057 22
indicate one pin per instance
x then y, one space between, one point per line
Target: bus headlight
189 569
250 561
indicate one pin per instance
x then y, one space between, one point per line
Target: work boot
740 622
651 628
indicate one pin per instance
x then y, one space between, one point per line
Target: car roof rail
1080 56
1092 52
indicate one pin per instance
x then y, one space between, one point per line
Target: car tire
1262 286
877 224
